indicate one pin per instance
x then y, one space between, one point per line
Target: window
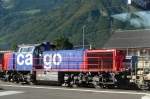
26 49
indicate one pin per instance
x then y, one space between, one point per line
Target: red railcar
8 61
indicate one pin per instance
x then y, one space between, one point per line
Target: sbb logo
24 59
52 60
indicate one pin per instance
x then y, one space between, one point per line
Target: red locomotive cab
120 56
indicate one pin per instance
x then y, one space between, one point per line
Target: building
133 42
145 4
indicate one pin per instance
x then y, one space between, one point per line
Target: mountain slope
33 21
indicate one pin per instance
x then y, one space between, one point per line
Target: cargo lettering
24 59
52 59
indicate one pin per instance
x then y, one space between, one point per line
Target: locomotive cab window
26 49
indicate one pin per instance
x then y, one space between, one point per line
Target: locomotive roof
27 45
129 39
6 51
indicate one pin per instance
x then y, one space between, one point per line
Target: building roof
129 39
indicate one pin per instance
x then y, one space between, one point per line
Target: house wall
137 52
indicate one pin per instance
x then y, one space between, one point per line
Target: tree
63 43
14 46
1 8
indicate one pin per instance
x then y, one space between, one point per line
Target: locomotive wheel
65 85
111 86
143 87
97 86
75 86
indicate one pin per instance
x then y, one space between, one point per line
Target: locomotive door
37 57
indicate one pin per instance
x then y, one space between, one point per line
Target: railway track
3 83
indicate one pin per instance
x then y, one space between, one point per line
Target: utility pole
128 12
83 33
109 15
129 2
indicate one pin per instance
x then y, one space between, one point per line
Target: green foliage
32 21
14 46
63 43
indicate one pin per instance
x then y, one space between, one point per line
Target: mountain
33 21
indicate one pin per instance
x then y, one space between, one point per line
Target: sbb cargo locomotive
82 67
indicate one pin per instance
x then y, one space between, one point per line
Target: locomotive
99 68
